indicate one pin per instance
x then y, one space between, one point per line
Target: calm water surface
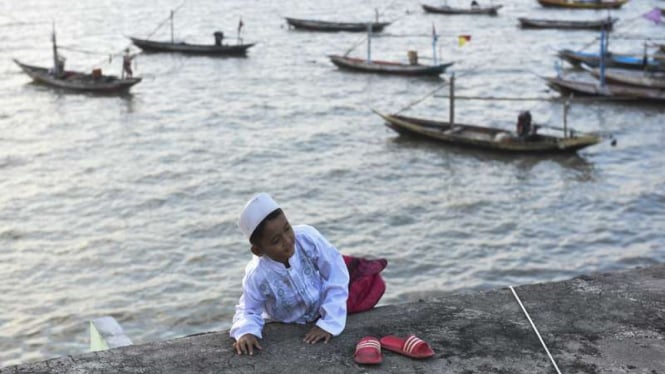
126 206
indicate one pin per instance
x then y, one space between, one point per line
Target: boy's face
277 240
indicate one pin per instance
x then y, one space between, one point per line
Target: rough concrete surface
603 323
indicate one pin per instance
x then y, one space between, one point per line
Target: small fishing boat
491 10
611 60
57 76
328 26
584 4
412 68
539 23
388 67
649 79
219 48
77 81
612 91
192 49
489 138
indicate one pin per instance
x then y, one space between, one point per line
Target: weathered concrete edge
601 323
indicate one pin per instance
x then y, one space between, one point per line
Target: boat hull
535 23
632 77
487 138
385 67
326 26
490 10
76 81
611 91
611 60
584 4
192 49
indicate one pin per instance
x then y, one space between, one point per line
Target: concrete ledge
603 323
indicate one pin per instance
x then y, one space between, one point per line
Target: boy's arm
248 318
335 286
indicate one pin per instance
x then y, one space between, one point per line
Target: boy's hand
317 334
246 344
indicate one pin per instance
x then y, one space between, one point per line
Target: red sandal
412 346
368 351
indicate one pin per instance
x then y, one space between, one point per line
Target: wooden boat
57 76
388 67
539 23
216 49
77 81
631 77
609 90
611 60
413 68
492 10
584 4
193 49
327 26
488 138
613 91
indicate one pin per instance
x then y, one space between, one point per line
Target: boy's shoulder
301 228
252 266
306 230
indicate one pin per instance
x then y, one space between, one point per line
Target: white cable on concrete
535 329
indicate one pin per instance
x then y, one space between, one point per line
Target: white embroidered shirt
316 285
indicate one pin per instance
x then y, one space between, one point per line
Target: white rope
535 329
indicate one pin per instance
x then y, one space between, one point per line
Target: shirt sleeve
335 290
248 318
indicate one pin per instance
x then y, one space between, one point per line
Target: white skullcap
256 209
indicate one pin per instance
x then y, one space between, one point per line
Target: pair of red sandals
368 350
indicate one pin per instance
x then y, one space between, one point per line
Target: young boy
296 276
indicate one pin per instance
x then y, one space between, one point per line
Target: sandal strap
368 344
411 343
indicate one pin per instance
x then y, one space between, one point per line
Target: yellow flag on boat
463 39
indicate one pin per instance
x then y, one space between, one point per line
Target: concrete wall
602 323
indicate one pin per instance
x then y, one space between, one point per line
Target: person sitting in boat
525 128
219 36
127 65
474 4
59 69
